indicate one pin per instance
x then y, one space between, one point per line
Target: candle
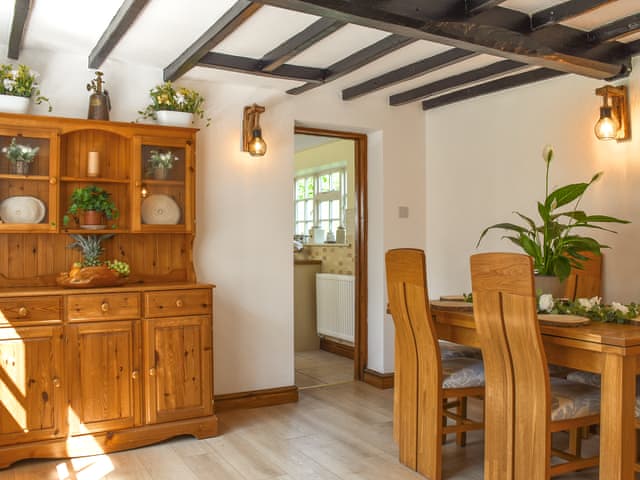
93 164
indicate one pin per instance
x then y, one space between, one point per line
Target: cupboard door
31 386
104 376
178 359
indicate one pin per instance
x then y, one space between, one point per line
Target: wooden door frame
360 240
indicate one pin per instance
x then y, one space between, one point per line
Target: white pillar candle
93 164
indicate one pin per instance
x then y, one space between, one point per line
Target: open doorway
329 256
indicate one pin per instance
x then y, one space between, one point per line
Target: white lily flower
545 304
620 307
547 153
594 301
585 303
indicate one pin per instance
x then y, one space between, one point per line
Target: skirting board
256 398
378 380
331 346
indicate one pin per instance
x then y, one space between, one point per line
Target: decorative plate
558 320
160 209
22 209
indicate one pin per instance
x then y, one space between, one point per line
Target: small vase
160 173
14 104
177 119
20 168
550 284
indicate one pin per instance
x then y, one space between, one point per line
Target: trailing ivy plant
90 198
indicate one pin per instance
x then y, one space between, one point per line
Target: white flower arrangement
20 153
592 308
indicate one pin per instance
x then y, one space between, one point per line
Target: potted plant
172 105
94 204
20 157
159 163
17 86
553 243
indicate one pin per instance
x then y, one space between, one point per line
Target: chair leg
461 410
575 441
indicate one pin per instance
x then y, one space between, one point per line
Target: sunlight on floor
85 468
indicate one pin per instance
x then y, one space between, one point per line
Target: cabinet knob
138 183
152 372
134 374
104 307
53 180
23 311
179 303
56 382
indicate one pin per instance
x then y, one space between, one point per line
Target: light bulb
607 127
257 146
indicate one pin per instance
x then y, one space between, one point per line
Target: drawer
30 309
106 306
175 303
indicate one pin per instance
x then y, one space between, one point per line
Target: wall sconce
614 121
252 140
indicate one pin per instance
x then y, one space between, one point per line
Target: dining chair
428 389
527 406
587 281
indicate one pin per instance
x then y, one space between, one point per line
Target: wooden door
31 386
103 360
178 375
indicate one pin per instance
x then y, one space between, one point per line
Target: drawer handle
152 372
134 374
56 382
104 307
179 303
23 311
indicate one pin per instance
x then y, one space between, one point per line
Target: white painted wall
483 161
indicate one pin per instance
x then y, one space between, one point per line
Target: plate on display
22 209
160 209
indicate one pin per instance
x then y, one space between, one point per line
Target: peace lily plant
554 243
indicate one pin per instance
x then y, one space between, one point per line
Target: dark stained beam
120 23
616 29
484 73
564 11
477 6
20 14
313 33
232 19
358 59
480 38
491 87
253 66
408 72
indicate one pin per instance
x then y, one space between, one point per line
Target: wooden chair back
418 371
585 282
516 375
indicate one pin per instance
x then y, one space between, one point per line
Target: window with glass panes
320 200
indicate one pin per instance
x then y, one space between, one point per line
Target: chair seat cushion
573 399
450 350
594 379
462 373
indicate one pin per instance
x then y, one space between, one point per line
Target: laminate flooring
339 432
317 367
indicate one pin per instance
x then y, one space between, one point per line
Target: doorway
330 240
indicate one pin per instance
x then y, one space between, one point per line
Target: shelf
37 178
95 180
93 232
150 181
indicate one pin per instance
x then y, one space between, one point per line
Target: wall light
614 121
252 140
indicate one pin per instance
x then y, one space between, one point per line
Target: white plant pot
14 104
177 119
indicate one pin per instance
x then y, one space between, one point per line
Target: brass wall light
614 121
252 140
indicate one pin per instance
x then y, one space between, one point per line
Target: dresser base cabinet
103 370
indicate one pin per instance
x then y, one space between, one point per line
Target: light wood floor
317 367
339 432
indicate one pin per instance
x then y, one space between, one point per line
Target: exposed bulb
257 145
607 127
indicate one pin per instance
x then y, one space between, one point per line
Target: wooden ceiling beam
120 23
483 73
313 33
480 38
358 59
564 11
408 72
232 19
20 14
253 66
491 87
616 29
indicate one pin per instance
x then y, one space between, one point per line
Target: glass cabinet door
28 180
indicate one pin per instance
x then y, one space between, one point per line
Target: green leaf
566 194
561 268
605 219
504 226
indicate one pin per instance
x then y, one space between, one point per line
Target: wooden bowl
90 277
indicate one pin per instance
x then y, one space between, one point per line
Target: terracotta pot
92 217
550 284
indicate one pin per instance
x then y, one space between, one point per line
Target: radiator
335 303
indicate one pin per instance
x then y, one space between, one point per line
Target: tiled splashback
335 258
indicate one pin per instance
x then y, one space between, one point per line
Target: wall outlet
403 212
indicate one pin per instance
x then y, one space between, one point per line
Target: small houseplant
553 243
94 203
168 98
159 163
20 156
17 87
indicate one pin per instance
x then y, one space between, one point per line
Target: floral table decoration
20 157
171 105
17 86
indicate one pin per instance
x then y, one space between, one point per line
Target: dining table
609 349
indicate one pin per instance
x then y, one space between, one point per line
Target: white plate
22 209
160 209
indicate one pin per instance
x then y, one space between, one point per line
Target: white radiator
335 303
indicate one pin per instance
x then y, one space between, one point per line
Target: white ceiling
165 28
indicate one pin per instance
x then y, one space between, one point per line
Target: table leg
617 418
